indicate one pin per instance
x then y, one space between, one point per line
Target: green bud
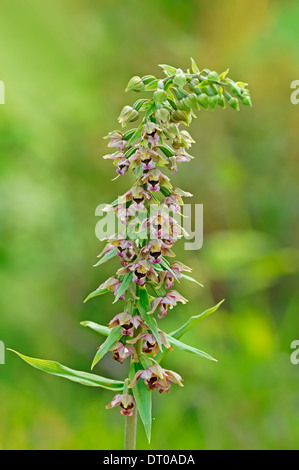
213 76
181 116
246 100
135 84
203 100
191 101
160 96
127 114
180 80
162 114
234 103
213 101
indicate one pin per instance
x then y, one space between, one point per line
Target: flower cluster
146 278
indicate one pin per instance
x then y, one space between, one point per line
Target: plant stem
130 431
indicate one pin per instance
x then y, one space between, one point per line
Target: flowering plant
145 281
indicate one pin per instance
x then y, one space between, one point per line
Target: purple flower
156 377
116 140
169 300
154 179
112 284
126 402
155 249
122 351
149 344
128 322
141 269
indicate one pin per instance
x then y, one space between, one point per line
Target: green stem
130 431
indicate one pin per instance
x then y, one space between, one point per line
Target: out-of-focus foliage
65 66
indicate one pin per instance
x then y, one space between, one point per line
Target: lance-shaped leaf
95 293
189 324
185 347
143 398
189 278
125 284
106 257
193 320
84 378
112 338
144 307
103 330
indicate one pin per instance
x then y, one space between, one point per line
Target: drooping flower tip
126 402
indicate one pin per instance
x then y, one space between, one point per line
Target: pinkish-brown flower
156 377
149 342
112 284
126 402
122 351
128 322
169 300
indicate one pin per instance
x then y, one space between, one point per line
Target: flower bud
135 84
234 103
203 100
160 96
246 100
162 114
128 114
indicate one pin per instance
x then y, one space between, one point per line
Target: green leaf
143 305
193 321
167 150
114 336
106 257
125 284
168 69
103 330
185 347
194 67
189 324
84 378
136 135
189 278
95 293
143 398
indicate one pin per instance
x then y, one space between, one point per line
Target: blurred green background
65 66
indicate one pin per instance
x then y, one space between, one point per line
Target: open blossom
126 249
120 160
169 300
122 351
112 284
151 133
142 269
174 201
146 158
149 342
155 249
126 402
154 179
127 322
156 377
138 196
173 273
162 225
116 140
